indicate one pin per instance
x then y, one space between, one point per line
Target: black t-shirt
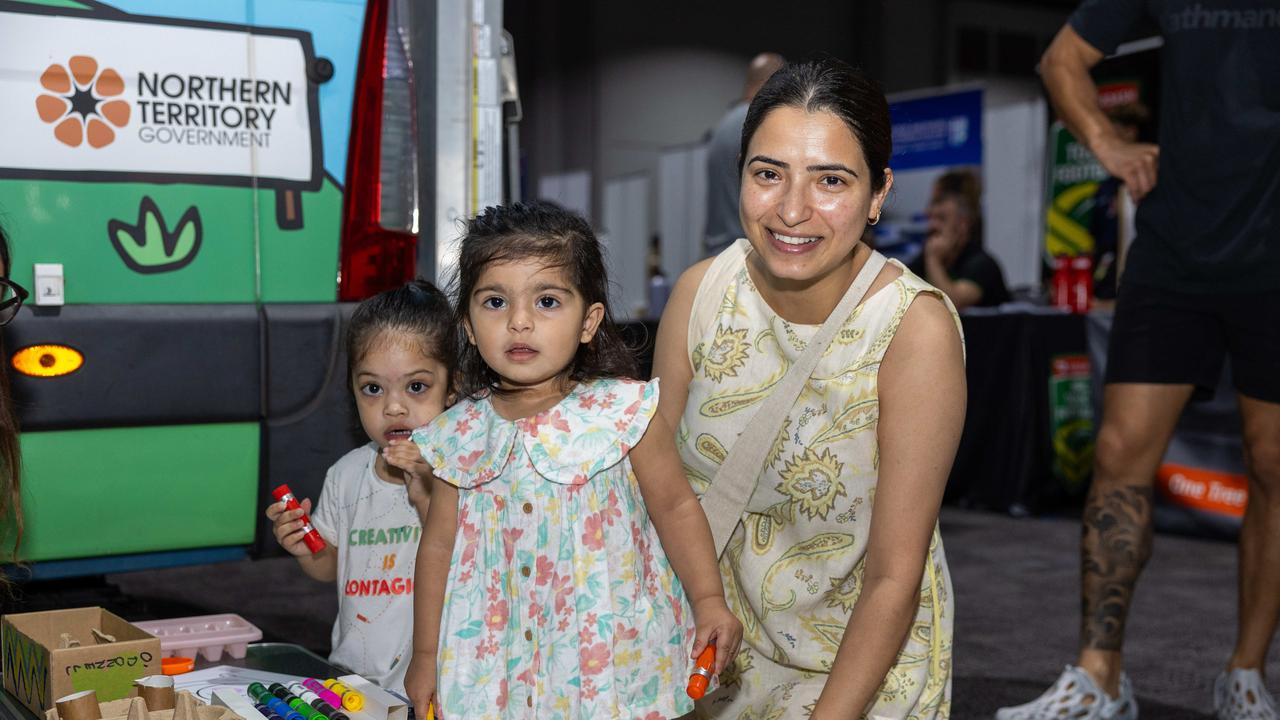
976 266
1212 223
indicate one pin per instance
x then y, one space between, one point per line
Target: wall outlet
49 289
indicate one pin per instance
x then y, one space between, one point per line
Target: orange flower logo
77 99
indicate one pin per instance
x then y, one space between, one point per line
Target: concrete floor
1017 610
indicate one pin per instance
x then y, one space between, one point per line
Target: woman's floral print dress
560 600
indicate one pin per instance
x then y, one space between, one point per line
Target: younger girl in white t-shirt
401 350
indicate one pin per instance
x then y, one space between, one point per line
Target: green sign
1073 180
1071 421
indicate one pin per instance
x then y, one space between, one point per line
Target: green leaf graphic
147 246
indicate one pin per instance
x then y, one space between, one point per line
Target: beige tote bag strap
735 481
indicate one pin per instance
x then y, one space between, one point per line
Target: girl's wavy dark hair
418 310
549 233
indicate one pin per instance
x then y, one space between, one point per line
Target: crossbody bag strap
735 482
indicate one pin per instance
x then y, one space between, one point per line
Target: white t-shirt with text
375 530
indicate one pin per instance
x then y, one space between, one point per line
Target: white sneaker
1075 696
1240 695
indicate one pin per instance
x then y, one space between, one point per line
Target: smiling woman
804 214
833 561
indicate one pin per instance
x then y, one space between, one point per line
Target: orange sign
1206 490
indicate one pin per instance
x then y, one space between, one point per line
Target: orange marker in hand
701 676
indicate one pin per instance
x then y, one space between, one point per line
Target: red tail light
373 258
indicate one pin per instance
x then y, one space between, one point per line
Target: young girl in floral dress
560 507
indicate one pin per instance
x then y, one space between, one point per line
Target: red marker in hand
701 676
311 538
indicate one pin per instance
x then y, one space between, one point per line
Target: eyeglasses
11 296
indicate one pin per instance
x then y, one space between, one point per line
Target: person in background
11 297
1104 225
1201 284
723 225
953 259
402 346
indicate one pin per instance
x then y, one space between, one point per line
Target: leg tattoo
1114 546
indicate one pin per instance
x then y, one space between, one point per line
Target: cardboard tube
157 692
79 706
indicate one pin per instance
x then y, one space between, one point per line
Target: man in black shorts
1201 284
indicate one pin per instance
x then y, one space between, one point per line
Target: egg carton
208 635
136 709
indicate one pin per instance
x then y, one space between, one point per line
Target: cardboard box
378 703
39 670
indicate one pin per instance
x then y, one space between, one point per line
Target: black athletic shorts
1164 336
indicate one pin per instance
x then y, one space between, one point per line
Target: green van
194 191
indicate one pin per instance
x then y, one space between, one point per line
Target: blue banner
938 131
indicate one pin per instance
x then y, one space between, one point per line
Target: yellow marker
431 711
351 700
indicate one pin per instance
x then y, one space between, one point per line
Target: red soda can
1081 284
1061 283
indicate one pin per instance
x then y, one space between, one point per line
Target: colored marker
310 537
279 707
301 706
266 712
324 708
325 693
701 676
351 700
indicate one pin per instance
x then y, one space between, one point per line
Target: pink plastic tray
209 635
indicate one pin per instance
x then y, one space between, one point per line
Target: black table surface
1005 457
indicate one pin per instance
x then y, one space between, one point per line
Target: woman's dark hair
832 86
549 233
418 310
10 451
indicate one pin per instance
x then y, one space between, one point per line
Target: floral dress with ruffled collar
560 600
